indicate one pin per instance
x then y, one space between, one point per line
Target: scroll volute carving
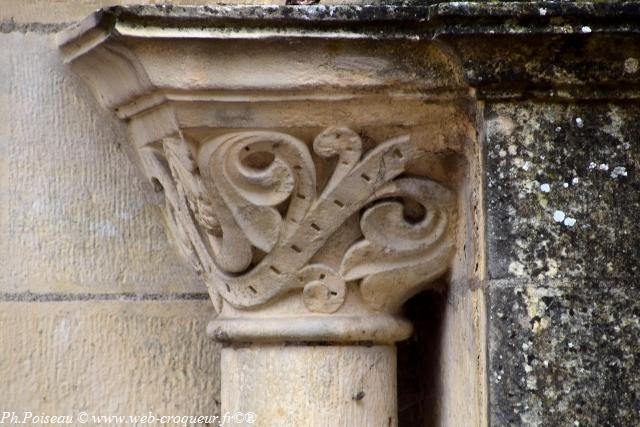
246 210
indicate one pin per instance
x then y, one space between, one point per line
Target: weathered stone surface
562 249
80 229
563 190
564 353
108 358
74 216
25 15
562 67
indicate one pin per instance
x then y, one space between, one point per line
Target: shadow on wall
418 361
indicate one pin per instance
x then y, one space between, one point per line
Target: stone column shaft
311 385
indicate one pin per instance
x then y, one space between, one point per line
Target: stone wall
562 202
109 319
98 311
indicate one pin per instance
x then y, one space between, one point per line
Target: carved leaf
188 183
251 193
232 251
396 256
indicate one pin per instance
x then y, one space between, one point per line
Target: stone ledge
504 50
384 22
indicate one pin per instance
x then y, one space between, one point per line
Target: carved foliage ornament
246 212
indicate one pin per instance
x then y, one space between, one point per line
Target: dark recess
418 359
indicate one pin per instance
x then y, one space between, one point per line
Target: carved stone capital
274 239
306 200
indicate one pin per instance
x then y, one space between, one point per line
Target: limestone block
74 216
562 190
108 358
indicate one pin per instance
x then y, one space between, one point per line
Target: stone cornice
504 50
352 21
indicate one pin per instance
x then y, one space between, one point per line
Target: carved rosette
246 210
